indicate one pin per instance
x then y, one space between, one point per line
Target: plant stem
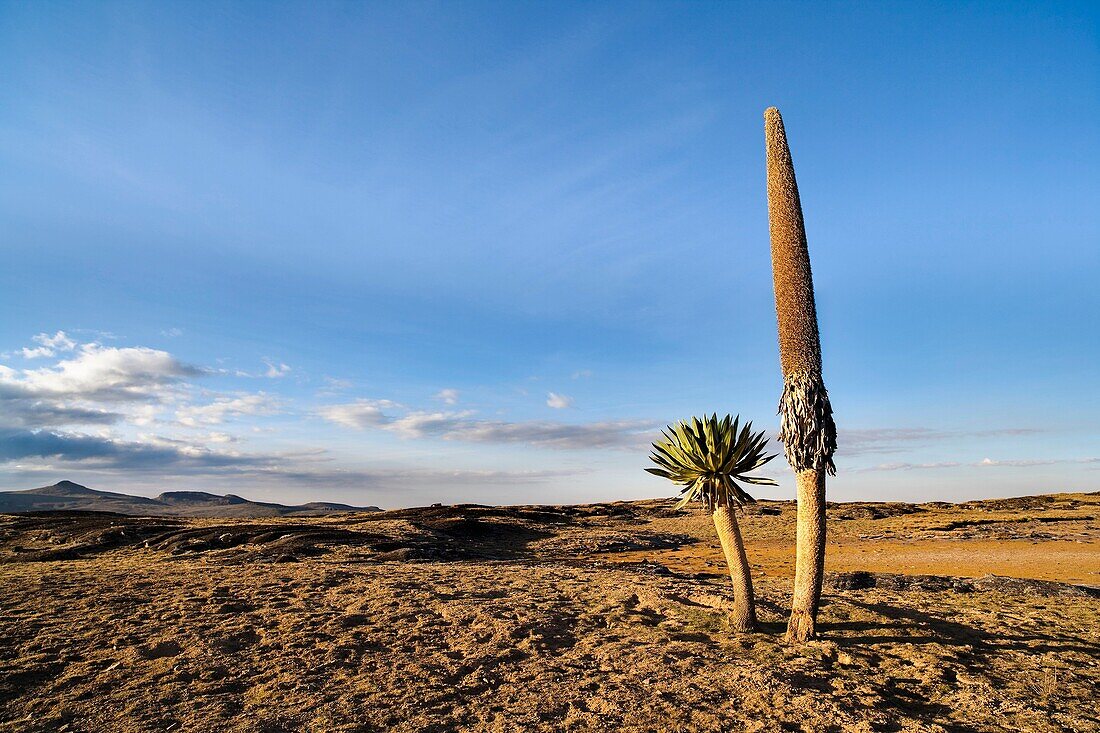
743 617
810 556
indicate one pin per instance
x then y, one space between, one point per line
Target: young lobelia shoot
709 457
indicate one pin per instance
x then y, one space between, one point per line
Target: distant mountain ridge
71 496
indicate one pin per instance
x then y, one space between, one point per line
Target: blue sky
402 253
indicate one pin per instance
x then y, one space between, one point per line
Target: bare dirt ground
594 618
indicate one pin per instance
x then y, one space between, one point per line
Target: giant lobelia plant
806 425
709 457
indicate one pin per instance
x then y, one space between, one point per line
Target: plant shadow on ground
908 628
919 627
977 651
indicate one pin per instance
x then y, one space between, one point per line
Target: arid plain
606 617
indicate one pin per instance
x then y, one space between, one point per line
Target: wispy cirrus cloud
273 370
1029 462
984 463
464 426
276 370
892 440
401 479
905 466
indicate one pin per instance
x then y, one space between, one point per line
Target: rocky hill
70 496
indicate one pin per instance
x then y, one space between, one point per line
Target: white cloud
359 414
58 341
216 412
582 374
143 414
42 413
558 401
424 424
153 460
172 332
1025 462
448 396
102 386
49 345
148 453
102 374
95 386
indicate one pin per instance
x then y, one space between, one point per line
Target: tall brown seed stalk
806 418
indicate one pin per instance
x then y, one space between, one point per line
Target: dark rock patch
863 580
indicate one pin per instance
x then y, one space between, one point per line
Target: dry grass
541 620
1045 684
